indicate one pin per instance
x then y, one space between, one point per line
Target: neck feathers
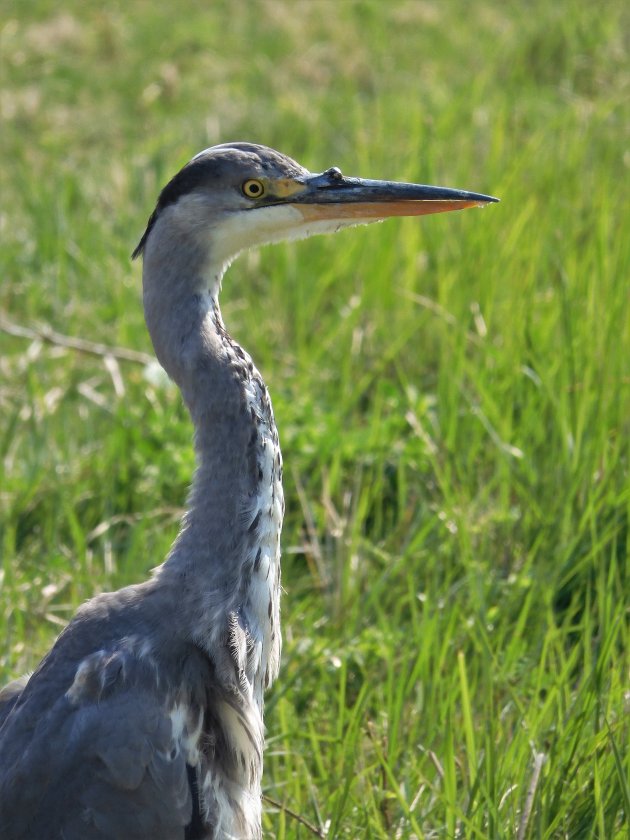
227 555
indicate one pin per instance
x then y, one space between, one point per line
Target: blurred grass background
452 393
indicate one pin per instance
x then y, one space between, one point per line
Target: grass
453 393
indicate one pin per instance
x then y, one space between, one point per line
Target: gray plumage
144 721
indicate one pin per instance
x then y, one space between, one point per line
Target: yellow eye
253 188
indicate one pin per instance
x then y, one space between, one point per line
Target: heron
144 721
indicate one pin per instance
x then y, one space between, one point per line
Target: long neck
225 561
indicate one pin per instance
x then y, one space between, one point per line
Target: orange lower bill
380 209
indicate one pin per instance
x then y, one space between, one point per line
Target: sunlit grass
453 394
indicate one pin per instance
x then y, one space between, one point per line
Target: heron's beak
333 196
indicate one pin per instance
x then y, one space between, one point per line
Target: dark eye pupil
254 189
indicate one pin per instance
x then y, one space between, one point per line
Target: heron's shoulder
99 740
126 605
116 643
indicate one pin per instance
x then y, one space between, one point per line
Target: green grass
453 393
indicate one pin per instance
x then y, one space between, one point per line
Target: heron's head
237 195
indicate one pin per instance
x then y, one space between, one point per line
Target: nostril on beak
334 173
